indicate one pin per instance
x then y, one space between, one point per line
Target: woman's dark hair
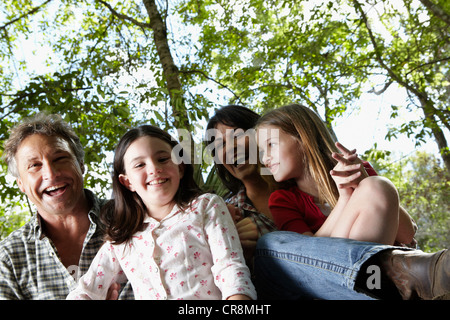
234 116
124 215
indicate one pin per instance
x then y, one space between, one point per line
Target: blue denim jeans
289 265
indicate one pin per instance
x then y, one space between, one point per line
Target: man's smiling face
49 174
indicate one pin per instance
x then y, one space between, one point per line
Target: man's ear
123 179
20 184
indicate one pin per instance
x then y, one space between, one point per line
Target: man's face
49 174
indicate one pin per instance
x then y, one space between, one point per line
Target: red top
294 210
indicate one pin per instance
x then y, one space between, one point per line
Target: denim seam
341 270
349 274
358 264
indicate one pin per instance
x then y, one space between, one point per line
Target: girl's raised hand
349 171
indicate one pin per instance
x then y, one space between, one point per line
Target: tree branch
437 11
124 17
427 106
426 64
379 92
34 10
170 69
210 78
22 95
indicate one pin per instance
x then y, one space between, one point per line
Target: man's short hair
44 124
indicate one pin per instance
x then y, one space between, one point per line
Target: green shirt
30 267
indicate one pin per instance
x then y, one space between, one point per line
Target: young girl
163 236
333 195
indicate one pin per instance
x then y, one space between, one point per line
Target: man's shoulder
18 239
96 202
94 198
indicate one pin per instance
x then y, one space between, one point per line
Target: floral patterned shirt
190 254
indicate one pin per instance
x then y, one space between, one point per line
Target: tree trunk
427 105
438 134
437 11
170 70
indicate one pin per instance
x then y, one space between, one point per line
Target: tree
417 58
275 52
324 53
108 66
424 189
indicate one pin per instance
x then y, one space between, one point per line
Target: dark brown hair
124 215
234 116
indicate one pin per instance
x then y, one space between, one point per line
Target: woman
292 266
231 129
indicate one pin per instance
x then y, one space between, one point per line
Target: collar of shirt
93 215
247 210
148 219
241 200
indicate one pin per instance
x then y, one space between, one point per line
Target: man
44 258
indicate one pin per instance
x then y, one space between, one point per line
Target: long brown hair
234 116
315 140
124 215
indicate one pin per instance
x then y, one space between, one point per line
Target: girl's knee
380 189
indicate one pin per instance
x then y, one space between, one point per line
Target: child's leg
371 213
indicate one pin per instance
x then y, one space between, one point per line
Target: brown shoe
419 275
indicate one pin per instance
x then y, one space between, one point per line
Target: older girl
333 194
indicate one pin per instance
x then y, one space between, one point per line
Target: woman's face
237 150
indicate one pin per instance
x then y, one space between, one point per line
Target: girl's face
282 153
150 172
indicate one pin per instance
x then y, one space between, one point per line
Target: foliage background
108 65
